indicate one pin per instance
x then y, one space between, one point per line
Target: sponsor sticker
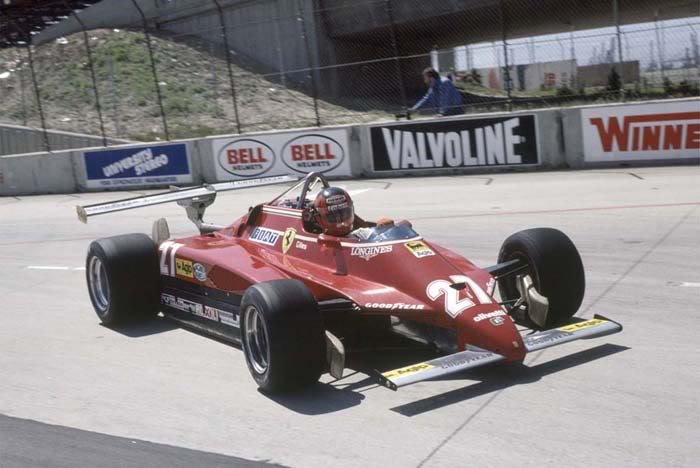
419 249
394 306
288 239
488 315
581 325
301 245
184 305
246 157
184 268
497 321
408 370
228 318
368 253
313 153
210 313
200 272
264 236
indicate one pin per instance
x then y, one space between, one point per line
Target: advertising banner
452 144
143 165
297 153
647 132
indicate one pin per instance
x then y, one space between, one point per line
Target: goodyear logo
581 325
419 249
408 370
184 268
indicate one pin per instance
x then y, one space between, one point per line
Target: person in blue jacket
442 96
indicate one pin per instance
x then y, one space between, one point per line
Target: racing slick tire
123 278
555 267
282 335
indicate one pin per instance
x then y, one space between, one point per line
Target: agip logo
246 158
313 153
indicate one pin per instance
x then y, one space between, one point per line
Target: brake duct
537 304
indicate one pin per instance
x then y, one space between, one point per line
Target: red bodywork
410 278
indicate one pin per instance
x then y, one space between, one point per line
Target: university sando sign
648 132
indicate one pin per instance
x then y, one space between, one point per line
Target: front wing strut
475 357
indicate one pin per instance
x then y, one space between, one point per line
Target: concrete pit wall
560 145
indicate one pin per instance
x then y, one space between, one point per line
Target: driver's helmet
335 213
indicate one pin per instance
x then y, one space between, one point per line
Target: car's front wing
474 357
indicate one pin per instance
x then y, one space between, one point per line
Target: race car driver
334 214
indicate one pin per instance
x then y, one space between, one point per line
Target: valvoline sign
142 165
274 154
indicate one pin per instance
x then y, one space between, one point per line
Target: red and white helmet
335 213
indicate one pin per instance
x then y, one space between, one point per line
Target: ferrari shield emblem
288 239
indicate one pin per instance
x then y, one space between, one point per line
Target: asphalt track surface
77 394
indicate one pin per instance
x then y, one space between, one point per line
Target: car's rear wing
194 199
475 357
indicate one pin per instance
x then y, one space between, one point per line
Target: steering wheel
309 183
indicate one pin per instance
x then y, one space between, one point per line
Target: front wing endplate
475 357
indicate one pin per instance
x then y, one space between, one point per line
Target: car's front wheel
555 267
123 278
282 335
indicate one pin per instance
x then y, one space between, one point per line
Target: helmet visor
340 213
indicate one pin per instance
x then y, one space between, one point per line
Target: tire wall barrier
660 132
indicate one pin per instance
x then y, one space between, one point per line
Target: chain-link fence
187 68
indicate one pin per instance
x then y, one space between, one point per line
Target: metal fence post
22 95
397 57
115 97
506 73
232 82
153 68
305 36
92 72
28 41
38 95
616 13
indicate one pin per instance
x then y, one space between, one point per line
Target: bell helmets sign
313 153
246 158
282 153
647 132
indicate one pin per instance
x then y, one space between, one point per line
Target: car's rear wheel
282 335
555 266
123 278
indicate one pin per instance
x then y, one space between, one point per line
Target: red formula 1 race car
293 296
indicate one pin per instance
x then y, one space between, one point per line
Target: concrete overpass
268 34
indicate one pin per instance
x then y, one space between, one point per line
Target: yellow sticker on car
582 325
408 370
419 249
288 239
184 268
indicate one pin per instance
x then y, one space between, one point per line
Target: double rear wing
195 199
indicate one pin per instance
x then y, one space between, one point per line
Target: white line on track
691 285
358 191
54 268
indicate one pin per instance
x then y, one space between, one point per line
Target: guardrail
661 132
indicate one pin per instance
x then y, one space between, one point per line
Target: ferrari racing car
293 295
